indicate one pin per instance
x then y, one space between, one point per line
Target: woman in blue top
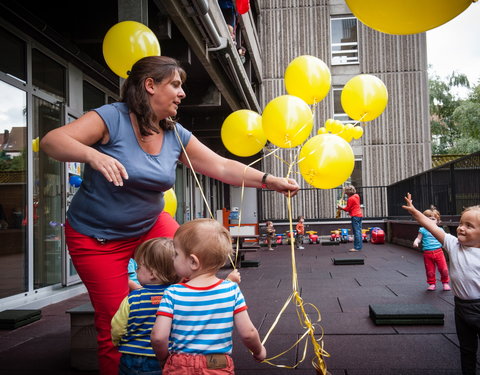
130 150
432 253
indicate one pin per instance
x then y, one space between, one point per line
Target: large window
344 41
338 111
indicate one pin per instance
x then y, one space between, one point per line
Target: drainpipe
231 55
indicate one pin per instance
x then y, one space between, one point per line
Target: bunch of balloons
326 160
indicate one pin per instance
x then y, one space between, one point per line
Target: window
344 41
338 112
14 55
48 75
92 97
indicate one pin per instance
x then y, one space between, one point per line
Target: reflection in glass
13 191
48 200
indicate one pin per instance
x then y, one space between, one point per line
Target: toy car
335 235
313 236
365 235
344 236
377 235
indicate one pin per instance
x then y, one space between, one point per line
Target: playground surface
391 274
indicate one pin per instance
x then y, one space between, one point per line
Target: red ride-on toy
313 236
335 235
366 235
377 235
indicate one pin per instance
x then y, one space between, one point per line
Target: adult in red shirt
355 211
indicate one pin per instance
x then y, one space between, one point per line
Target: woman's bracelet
264 180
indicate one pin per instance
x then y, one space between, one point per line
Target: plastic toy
313 236
366 235
344 236
335 235
377 235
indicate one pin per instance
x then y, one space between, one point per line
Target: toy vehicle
377 235
344 236
313 236
366 235
288 238
279 239
335 235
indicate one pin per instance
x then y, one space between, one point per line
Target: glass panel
13 52
338 112
48 200
92 97
344 41
13 191
48 75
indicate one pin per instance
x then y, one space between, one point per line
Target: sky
455 45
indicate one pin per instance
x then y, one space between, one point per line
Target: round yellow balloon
170 200
242 133
127 42
357 132
309 78
364 97
406 16
326 161
287 121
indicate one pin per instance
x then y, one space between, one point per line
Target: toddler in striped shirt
195 319
134 320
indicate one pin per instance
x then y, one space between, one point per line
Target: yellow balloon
330 125
406 16
364 97
287 121
322 130
127 42
242 133
357 132
170 202
36 144
309 78
326 161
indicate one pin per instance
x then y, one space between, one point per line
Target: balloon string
199 185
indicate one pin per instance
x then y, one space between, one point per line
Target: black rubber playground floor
390 274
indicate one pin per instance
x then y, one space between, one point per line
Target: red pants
198 364
103 269
432 258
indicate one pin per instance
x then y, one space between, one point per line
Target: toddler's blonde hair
432 211
156 255
208 240
350 190
471 208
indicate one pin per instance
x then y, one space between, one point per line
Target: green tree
443 103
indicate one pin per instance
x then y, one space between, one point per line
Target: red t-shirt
353 206
300 228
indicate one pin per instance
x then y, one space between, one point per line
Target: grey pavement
342 294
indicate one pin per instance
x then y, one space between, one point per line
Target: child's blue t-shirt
132 270
429 242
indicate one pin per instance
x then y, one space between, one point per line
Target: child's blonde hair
156 255
350 190
471 208
432 211
208 240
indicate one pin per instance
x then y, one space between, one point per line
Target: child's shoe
446 286
431 287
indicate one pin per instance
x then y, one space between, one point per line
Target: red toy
377 235
313 236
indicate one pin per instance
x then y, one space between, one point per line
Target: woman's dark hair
134 95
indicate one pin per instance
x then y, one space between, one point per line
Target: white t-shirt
464 268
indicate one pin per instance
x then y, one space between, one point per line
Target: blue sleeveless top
100 209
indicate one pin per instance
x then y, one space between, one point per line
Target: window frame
332 45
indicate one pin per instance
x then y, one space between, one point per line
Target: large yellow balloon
406 16
326 161
170 202
127 42
364 97
287 121
309 78
242 133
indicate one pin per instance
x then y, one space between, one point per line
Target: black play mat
330 243
11 319
348 261
406 314
249 263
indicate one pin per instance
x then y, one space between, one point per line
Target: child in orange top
300 232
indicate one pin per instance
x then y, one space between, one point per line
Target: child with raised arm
432 253
197 317
464 254
133 322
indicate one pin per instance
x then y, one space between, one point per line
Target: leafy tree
454 121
